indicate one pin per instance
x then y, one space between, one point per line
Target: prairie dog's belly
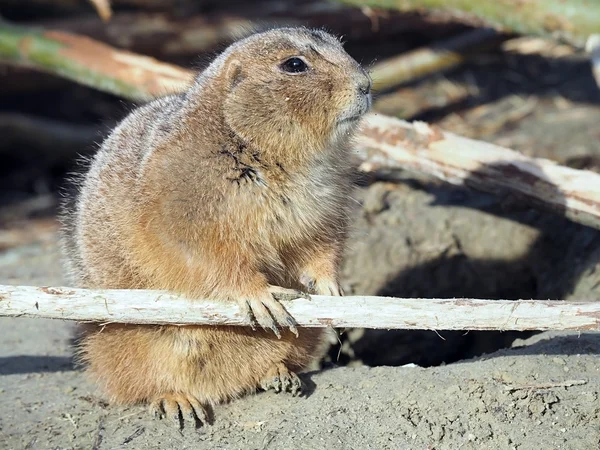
223 360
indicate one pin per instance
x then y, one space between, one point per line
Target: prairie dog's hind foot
268 312
179 409
281 379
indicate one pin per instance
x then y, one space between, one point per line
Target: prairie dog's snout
365 83
360 97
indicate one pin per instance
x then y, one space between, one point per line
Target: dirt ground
410 237
542 392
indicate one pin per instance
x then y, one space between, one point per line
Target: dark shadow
508 74
563 251
572 344
12 365
576 344
308 385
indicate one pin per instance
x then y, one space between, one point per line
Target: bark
572 20
593 48
387 143
158 307
90 62
435 58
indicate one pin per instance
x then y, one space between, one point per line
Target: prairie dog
236 190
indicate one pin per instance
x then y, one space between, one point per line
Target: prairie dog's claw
176 406
286 294
281 379
323 286
268 312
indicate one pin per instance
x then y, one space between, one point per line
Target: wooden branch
386 142
572 20
432 59
593 48
90 62
157 307
166 36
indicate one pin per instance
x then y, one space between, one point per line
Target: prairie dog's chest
308 202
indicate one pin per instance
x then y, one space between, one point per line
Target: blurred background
514 76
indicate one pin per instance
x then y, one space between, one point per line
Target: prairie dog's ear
233 73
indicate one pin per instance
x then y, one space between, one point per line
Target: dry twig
572 20
158 307
387 143
90 62
103 8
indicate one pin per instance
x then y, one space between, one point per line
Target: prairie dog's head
293 88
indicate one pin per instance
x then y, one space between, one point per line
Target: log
163 36
388 143
159 307
90 62
572 20
438 57
593 48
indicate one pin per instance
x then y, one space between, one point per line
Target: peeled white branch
388 143
157 307
593 48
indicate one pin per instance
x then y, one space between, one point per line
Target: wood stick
387 143
158 307
592 46
572 20
90 62
435 58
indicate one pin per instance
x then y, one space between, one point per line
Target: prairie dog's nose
365 84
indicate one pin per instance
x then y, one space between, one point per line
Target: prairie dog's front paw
268 312
322 286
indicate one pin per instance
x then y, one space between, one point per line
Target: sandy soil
502 401
542 393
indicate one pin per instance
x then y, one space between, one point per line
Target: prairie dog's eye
294 65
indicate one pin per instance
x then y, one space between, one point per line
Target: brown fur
227 191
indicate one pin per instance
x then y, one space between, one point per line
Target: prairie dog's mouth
350 119
358 111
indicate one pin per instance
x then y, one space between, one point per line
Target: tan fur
227 191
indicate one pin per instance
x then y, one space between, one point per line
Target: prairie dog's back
106 207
